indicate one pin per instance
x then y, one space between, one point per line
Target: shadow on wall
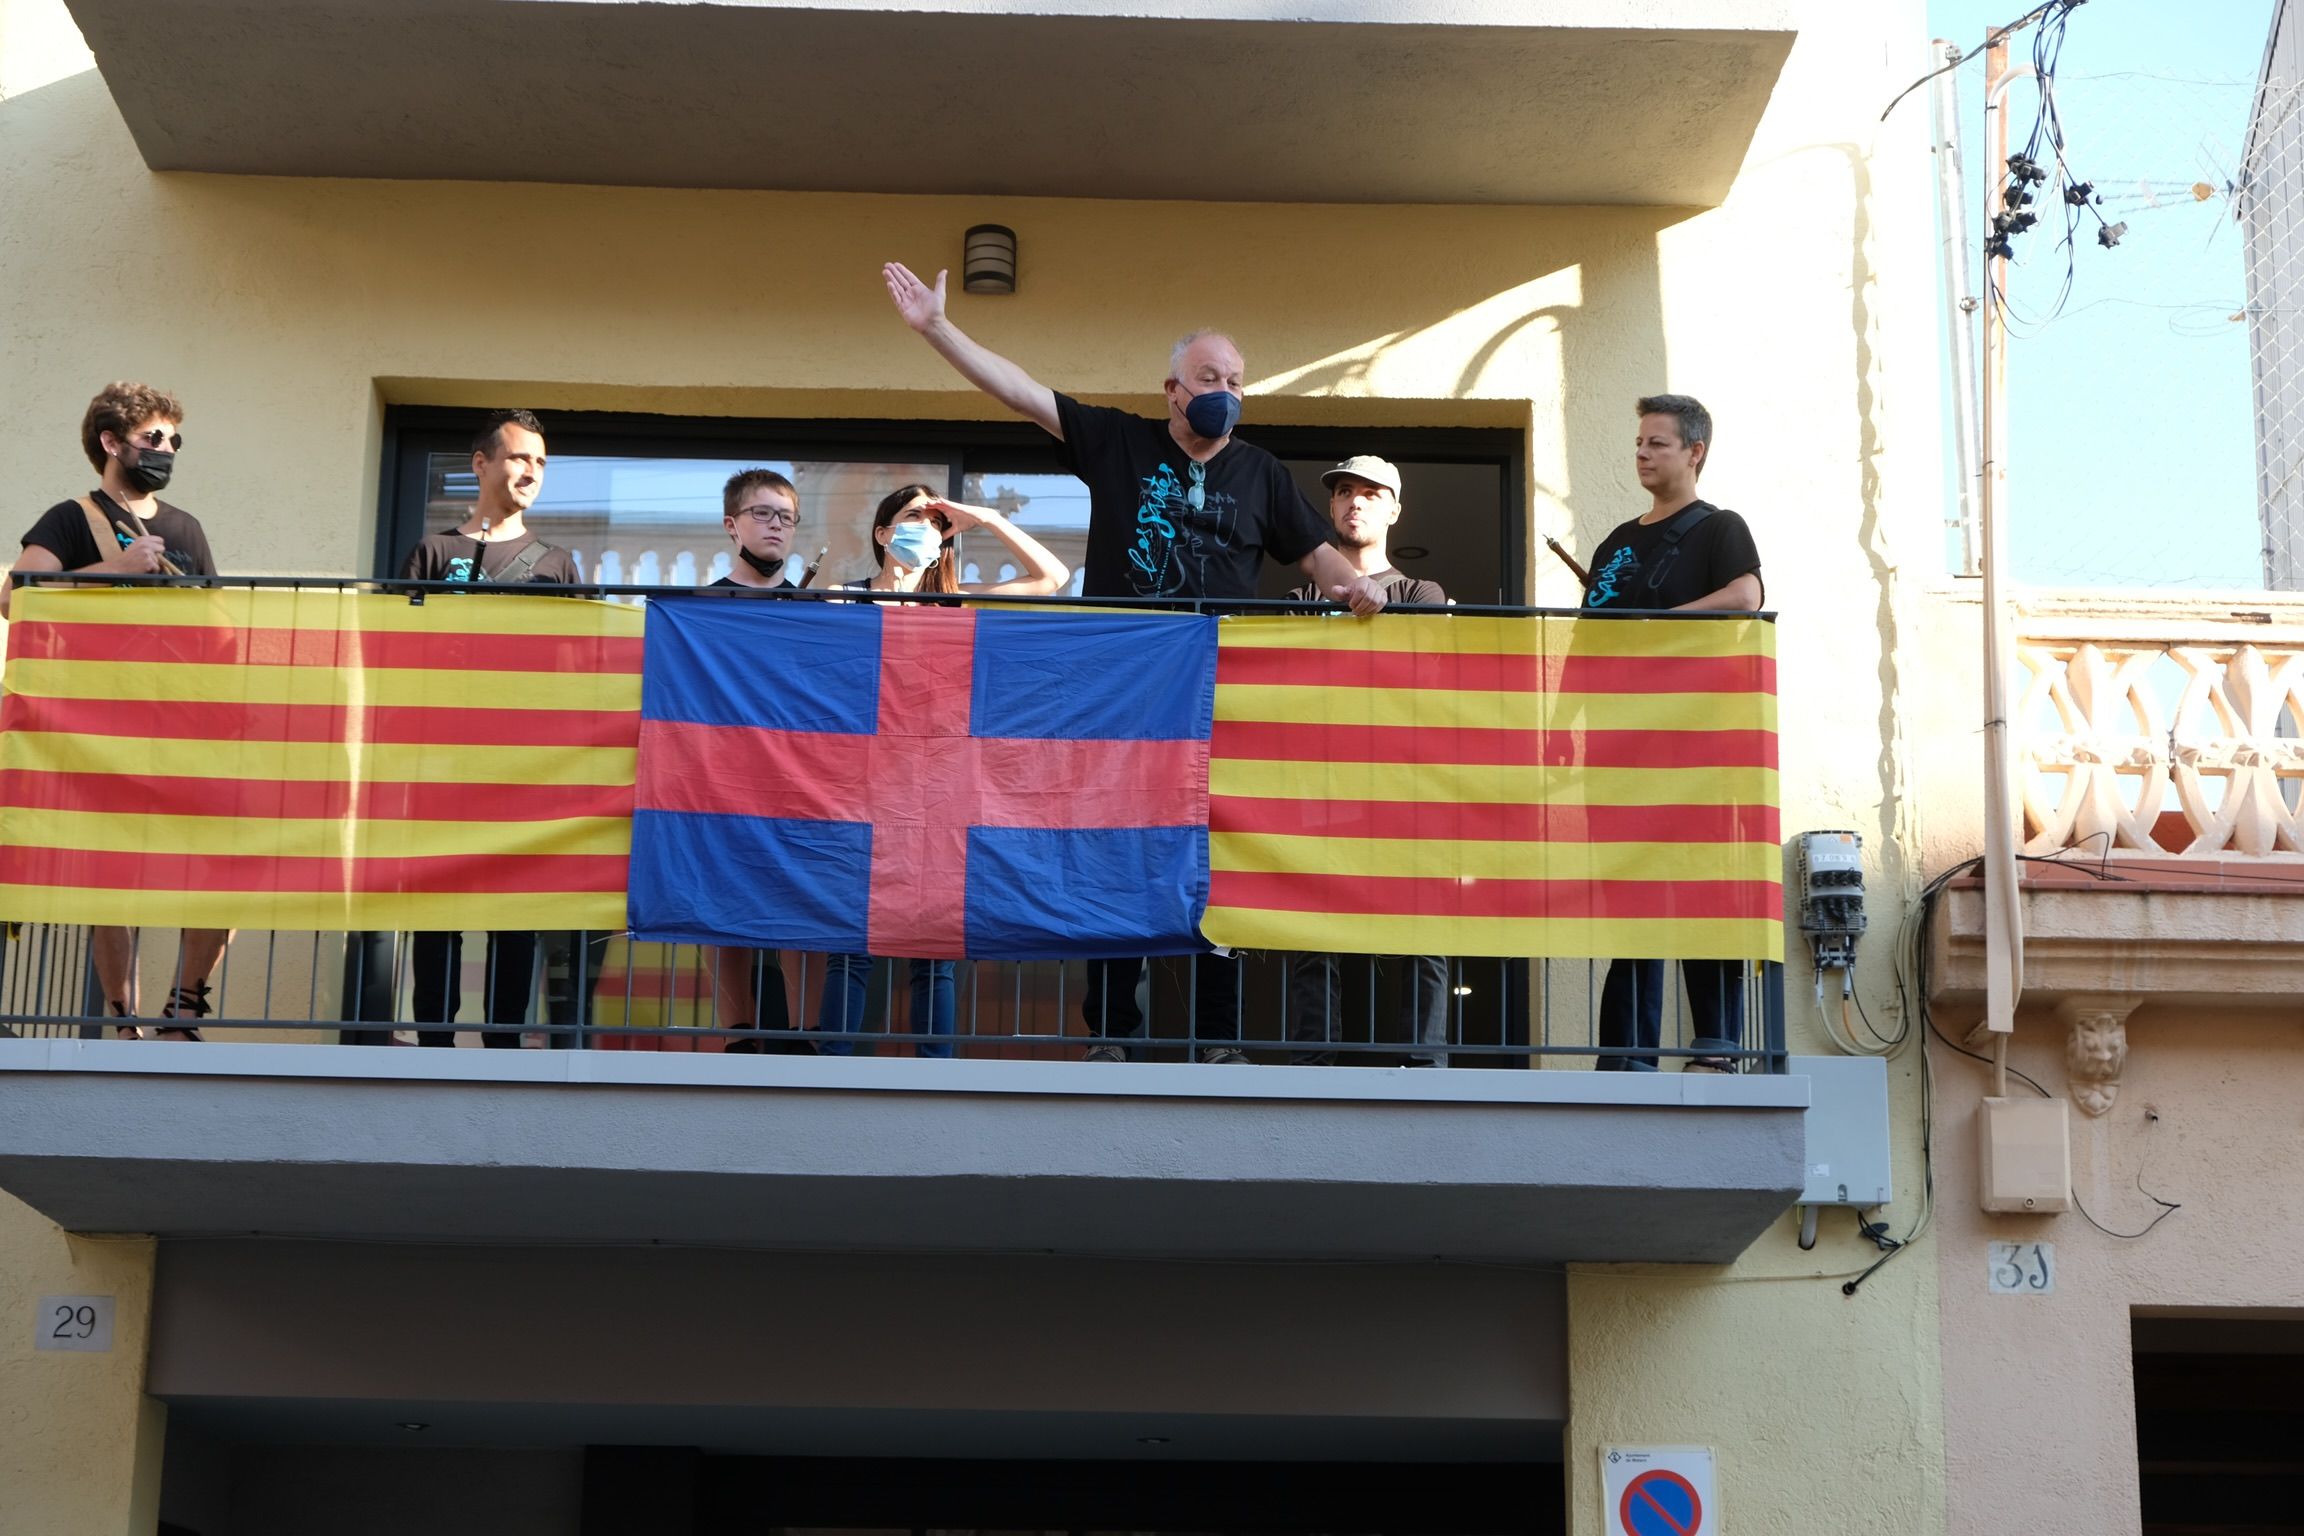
1559 309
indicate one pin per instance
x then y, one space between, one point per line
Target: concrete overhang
1334 101
2194 932
1142 1160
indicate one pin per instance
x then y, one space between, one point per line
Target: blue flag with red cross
926 782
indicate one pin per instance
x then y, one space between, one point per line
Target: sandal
130 1030
184 1002
1721 1064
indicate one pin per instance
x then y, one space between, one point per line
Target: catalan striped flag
317 760
925 782
1458 785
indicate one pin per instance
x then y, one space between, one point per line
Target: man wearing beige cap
1363 504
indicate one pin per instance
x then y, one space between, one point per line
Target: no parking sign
1658 1490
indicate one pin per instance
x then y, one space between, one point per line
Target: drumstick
168 567
1583 577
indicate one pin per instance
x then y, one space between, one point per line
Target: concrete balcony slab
1483 101
193 1140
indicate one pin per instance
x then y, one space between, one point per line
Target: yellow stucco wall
79 1441
288 313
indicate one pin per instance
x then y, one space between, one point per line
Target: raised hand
959 514
920 305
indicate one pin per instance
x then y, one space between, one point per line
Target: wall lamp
988 259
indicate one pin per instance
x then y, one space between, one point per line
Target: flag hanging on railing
323 759
926 782
892 780
1462 785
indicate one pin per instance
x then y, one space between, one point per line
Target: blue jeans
841 1016
1632 1009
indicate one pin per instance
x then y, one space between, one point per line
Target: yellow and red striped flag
1461 785
319 760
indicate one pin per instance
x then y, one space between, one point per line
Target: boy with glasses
131 436
760 509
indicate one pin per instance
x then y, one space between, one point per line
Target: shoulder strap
517 570
99 527
107 537
1685 524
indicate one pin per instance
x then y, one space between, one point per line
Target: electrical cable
1991 37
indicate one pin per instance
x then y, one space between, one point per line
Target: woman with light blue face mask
913 539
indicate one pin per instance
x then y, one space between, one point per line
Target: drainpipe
2003 911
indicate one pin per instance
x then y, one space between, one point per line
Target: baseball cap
1368 467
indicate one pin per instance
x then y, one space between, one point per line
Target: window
636 499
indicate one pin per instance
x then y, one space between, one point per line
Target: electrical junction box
1830 886
2024 1150
1847 1125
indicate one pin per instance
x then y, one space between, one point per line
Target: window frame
414 432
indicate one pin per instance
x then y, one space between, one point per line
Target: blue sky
2131 456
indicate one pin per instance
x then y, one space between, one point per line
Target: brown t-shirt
1399 587
448 557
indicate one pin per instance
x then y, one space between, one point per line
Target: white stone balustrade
2125 718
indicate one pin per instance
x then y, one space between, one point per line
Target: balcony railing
611 991
2161 735
607 991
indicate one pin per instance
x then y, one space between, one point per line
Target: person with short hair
914 549
1363 506
760 509
492 546
1178 508
131 434
1683 555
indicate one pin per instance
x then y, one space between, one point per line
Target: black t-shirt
1637 567
778 585
448 557
63 532
1144 537
1399 587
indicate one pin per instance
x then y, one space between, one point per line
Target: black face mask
771 569
151 470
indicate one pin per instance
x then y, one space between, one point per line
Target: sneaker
1105 1053
1225 1056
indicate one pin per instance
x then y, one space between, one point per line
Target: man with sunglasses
1178 508
1688 555
130 434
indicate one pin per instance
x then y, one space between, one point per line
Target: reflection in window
649 522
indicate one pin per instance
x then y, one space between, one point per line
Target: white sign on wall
1658 1490
2021 1269
83 1323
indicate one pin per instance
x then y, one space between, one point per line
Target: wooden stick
1583 577
168 567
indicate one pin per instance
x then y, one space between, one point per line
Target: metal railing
590 990
601 991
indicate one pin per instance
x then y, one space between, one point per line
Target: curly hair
118 407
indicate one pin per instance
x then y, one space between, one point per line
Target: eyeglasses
773 517
1196 494
154 438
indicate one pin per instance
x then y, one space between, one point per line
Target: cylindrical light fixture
988 259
